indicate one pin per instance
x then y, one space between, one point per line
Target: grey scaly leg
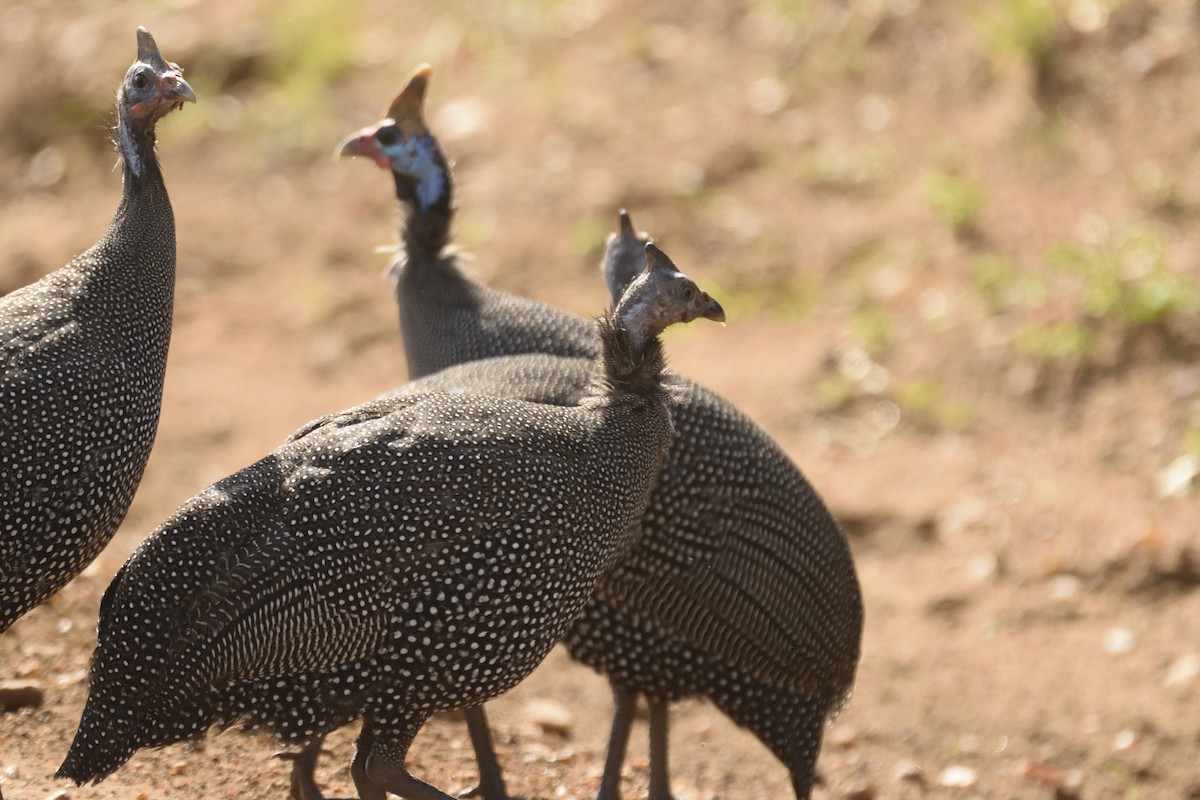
624 703
660 771
378 766
304 771
367 789
491 777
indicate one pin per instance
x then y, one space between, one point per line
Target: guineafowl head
153 86
403 143
661 296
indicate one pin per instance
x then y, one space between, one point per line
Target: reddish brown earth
1031 594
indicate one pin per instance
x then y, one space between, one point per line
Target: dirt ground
958 247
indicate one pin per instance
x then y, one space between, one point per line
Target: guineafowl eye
687 293
140 81
387 136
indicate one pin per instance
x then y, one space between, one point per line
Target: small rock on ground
15 695
550 716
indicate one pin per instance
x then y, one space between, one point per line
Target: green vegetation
587 236
1065 344
836 167
1095 295
871 328
1123 280
312 44
955 200
1027 30
1003 287
835 391
1159 191
1191 434
793 15
923 403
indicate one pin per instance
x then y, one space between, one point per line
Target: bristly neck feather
135 140
627 368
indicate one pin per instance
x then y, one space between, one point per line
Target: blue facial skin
416 157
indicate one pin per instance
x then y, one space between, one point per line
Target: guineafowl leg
367 789
624 704
304 771
378 766
660 771
491 778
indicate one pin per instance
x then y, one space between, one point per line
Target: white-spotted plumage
738 560
82 358
738 565
410 555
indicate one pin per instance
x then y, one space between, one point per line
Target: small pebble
874 113
1065 587
908 770
179 767
1178 479
30 669
1119 641
15 695
861 791
767 95
71 678
844 736
958 777
61 794
1123 741
1042 773
1183 670
968 743
983 567
550 716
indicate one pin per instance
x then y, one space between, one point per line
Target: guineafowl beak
363 143
175 89
712 310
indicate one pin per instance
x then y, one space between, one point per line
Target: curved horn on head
148 50
408 107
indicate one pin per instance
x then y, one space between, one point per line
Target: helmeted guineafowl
741 572
82 357
446 317
410 555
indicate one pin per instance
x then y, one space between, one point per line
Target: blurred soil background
958 245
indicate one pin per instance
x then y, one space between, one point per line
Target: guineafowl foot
476 791
367 790
378 767
382 774
304 772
